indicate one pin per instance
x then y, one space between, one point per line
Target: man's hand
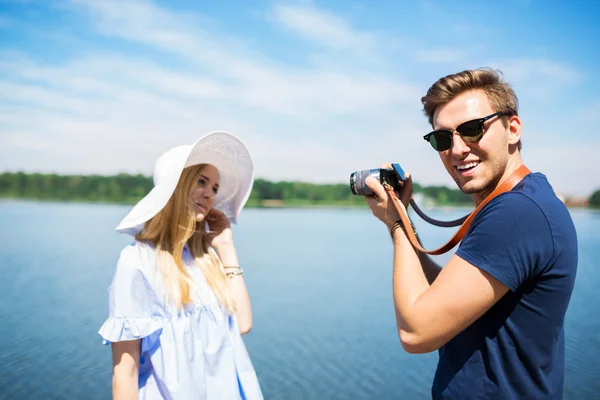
382 204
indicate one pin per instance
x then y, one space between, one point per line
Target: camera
392 176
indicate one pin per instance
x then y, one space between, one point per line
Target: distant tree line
442 195
120 188
124 188
302 192
595 199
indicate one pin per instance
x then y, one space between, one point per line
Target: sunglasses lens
470 131
440 141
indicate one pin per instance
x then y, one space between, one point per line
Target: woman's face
202 198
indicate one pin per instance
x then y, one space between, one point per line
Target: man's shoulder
525 224
512 209
532 198
537 190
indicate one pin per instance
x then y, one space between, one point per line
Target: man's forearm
430 268
409 278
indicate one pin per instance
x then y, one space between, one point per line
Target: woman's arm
221 239
243 314
126 362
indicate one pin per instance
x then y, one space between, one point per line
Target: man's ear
514 130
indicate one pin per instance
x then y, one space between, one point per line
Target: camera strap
505 186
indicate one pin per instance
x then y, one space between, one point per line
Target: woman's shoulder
137 256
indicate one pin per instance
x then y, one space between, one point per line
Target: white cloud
321 26
262 84
549 71
117 115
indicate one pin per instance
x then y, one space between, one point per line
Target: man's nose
459 147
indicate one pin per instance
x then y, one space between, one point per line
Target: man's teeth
467 166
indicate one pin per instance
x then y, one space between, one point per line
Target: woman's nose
207 193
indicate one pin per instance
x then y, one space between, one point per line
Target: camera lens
357 181
353 182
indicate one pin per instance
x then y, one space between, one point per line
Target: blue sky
316 89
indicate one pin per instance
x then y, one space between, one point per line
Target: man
496 310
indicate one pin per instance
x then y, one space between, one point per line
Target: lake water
320 283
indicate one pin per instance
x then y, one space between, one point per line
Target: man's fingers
371 201
376 187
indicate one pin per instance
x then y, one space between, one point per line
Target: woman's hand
220 233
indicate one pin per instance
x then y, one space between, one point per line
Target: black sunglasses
470 132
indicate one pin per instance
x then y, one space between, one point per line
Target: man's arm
509 243
432 306
430 268
429 315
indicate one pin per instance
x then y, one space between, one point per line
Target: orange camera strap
507 185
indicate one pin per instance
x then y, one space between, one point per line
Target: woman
178 301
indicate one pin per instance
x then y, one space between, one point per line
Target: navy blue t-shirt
526 239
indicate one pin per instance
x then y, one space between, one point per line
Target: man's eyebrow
438 126
444 127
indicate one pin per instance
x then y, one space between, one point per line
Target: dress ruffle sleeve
122 329
132 304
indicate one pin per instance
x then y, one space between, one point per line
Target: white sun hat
221 149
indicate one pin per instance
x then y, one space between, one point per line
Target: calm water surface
320 283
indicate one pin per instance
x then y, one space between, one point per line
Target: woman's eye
201 182
215 190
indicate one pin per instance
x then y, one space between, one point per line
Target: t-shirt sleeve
130 295
510 238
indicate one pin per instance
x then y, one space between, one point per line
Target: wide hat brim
221 149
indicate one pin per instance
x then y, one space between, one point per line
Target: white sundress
196 353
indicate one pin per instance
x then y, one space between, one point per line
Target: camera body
392 176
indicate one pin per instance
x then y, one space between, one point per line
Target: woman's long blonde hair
169 231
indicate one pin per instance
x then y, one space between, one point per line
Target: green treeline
302 193
340 193
595 199
124 188
120 188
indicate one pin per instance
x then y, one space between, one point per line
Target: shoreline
265 205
